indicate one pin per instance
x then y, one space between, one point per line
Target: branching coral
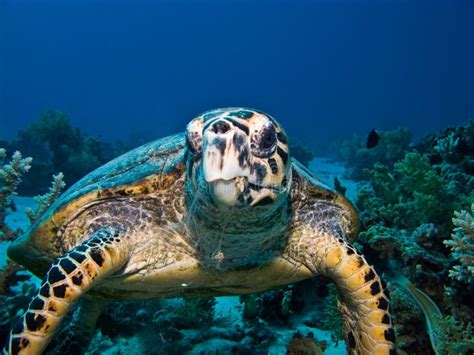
462 246
10 178
410 195
43 202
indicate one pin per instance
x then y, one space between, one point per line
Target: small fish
372 139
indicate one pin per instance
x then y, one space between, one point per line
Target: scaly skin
69 277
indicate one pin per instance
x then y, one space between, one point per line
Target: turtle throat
228 236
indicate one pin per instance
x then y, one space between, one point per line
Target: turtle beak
222 153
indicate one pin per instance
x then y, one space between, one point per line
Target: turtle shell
139 171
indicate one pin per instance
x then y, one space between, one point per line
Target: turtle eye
268 139
264 143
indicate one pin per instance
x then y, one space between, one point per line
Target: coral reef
10 178
58 146
406 211
392 147
43 202
305 345
410 194
462 246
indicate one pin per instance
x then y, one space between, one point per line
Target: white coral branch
43 202
462 246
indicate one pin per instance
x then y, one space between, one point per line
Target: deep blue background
323 68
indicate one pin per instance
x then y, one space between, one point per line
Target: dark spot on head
281 137
44 291
383 303
360 262
389 335
239 125
273 165
375 288
238 140
77 279
37 304
220 144
284 182
243 156
350 251
77 256
283 155
55 275
97 256
220 127
241 114
51 307
34 322
386 319
60 291
369 276
260 171
67 265
351 340
265 201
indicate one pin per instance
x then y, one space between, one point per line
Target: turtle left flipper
70 276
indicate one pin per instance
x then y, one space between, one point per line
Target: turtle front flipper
367 326
79 329
69 277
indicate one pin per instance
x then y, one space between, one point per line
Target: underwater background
82 82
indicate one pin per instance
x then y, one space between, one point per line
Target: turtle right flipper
69 277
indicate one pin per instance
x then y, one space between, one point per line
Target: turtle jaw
227 192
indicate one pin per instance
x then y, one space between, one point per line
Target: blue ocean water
82 82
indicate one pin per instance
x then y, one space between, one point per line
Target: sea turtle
219 210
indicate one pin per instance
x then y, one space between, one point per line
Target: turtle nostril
220 127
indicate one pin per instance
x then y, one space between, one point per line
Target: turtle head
239 157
